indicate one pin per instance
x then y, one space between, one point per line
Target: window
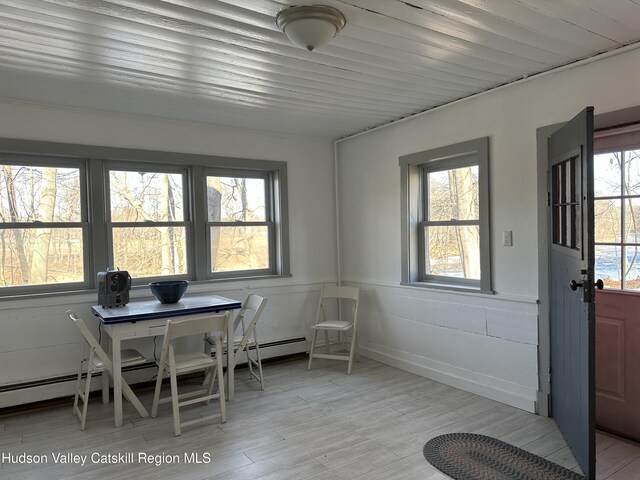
69 211
147 221
617 218
43 228
445 218
239 223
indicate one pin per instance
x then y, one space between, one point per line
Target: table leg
104 343
117 379
230 361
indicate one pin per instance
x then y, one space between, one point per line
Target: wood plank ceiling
226 62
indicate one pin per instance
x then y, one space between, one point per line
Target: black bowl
169 291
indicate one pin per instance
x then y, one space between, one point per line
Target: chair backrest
90 339
339 293
250 312
196 326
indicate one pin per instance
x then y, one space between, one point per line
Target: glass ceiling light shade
310 26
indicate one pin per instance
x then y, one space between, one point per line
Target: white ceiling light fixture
310 26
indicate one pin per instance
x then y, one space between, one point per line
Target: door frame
603 120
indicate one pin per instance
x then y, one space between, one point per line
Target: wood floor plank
316 425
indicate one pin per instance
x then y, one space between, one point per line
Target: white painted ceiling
225 61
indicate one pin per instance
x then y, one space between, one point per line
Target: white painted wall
37 340
486 344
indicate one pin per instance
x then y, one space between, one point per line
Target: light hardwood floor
312 425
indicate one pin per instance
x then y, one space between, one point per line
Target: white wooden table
148 318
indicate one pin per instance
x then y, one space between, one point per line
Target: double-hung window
148 220
70 211
445 218
43 223
240 223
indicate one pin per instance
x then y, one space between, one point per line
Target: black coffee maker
113 288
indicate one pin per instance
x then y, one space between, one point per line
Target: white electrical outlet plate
507 238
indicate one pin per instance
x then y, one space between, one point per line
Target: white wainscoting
480 343
40 343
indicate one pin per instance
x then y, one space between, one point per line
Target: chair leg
223 405
313 346
351 352
87 389
156 393
259 363
174 401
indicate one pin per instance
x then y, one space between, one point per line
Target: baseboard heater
60 386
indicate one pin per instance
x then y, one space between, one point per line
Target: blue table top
153 309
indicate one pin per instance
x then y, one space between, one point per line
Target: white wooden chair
93 359
176 364
247 318
340 326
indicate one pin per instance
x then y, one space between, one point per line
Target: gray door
571 288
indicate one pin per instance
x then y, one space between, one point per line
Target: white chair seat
191 361
333 325
337 295
130 357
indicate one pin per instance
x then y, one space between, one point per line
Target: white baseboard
65 388
495 389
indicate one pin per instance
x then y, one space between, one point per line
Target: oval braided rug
468 456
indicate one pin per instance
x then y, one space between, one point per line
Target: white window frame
413 169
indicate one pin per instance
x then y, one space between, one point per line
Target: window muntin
147 222
43 235
617 218
445 217
240 232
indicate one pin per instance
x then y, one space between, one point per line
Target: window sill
449 287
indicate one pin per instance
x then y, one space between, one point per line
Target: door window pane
607 174
607 221
150 251
632 268
608 265
146 196
632 220
632 172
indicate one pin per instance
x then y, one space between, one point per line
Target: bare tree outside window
617 218
238 222
451 229
41 239
147 215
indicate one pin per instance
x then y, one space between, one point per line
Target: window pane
453 251
150 251
39 193
236 199
38 256
607 265
632 220
632 172
453 194
239 248
146 196
607 174
608 215
632 268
